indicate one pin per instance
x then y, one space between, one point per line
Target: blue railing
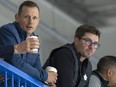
14 75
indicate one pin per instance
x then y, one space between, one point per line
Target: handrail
16 75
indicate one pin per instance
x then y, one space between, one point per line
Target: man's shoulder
94 81
94 77
7 27
10 27
63 48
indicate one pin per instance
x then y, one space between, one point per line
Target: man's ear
76 39
16 17
109 73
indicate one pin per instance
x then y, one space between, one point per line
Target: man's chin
29 32
87 56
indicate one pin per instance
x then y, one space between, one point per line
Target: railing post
5 78
12 80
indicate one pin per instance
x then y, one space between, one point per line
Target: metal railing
16 77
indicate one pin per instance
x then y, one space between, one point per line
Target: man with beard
72 60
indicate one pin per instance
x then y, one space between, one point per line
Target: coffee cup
34 49
50 68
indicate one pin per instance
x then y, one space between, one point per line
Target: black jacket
71 72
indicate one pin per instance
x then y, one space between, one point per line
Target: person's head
107 68
28 16
86 40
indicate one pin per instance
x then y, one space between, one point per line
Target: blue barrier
13 75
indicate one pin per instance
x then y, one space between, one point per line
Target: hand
52 77
26 46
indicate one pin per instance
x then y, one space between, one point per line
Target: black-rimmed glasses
90 43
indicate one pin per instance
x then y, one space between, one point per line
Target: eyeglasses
90 43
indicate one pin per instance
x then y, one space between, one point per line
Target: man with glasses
72 60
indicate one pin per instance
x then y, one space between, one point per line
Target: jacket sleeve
64 63
6 51
94 81
30 64
6 46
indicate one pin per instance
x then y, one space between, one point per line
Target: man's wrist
15 49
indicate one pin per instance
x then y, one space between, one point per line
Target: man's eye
25 16
88 40
34 18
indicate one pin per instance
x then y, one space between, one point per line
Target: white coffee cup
50 68
34 49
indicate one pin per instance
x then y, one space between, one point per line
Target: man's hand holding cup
52 75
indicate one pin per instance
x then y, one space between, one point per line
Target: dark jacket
71 72
6 51
12 34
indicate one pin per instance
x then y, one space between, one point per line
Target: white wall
108 41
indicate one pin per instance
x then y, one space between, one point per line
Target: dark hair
29 4
81 30
105 63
